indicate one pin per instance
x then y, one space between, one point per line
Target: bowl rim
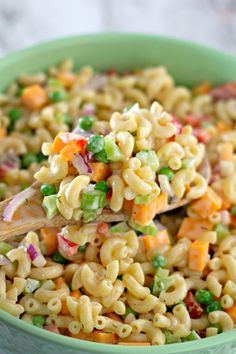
82 344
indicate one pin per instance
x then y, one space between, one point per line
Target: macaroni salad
133 142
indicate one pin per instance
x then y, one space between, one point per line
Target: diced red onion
4 260
88 110
66 247
32 251
37 259
84 133
17 201
81 164
68 137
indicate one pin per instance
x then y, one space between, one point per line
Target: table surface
25 22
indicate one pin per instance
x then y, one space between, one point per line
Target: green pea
28 159
101 156
58 258
214 306
95 144
159 261
203 297
38 320
48 189
82 248
41 157
167 172
57 96
86 122
14 114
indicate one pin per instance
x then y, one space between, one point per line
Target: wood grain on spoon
31 216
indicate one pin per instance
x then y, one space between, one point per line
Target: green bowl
189 64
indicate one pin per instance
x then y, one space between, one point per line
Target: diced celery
5 248
170 338
140 199
89 215
162 273
222 231
150 229
121 227
112 150
49 204
161 281
31 286
188 163
191 336
148 158
93 200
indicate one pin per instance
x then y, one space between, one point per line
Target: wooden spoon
31 216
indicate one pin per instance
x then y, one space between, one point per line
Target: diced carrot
127 206
59 282
223 126
191 228
153 242
136 344
83 336
64 308
226 153
163 237
232 312
69 151
207 204
114 316
34 97
204 87
143 214
49 236
57 144
75 293
67 78
103 337
198 255
100 171
161 202
3 132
